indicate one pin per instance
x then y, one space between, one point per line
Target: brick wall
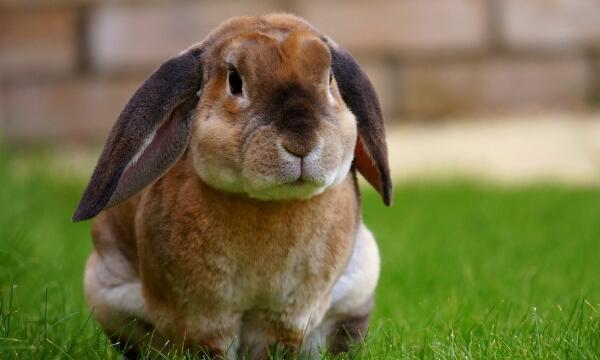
68 66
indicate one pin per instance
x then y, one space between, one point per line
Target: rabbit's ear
151 133
370 153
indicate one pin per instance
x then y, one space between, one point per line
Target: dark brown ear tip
387 195
84 213
388 200
77 217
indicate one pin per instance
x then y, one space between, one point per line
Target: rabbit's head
268 107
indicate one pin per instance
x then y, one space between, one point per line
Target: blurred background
507 89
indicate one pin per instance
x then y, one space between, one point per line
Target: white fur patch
111 284
355 287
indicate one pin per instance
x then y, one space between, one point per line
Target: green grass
469 270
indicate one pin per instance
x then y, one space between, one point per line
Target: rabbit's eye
235 82
330 77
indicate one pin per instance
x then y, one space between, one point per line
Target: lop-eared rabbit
226 200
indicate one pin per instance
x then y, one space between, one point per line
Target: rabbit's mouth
301 186
297 189
305 182
291 176
301 182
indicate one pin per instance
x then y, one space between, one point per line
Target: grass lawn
469 270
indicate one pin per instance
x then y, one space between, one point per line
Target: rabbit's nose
298 148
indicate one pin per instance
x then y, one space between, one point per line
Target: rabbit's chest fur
205 255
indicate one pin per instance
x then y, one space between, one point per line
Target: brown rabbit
227 209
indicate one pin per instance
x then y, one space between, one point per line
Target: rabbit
226 205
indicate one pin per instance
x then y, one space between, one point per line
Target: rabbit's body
223 269
228 209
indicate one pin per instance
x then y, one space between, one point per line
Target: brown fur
121 222
249 242
227 242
